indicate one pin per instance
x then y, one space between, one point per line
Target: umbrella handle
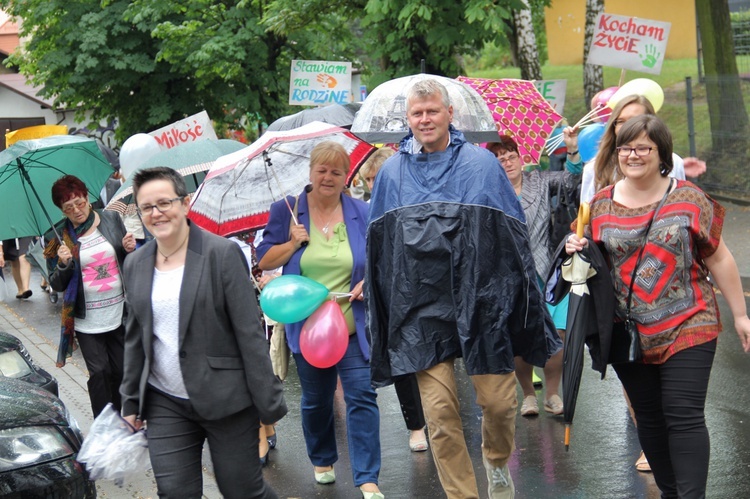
584 213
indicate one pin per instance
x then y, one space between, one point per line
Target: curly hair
68 187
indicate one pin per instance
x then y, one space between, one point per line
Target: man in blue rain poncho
450 274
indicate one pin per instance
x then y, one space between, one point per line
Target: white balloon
135 151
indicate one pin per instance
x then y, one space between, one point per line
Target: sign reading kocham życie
317 83
629 43
190 129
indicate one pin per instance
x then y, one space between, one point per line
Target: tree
528 54
407 31
723 91
593 76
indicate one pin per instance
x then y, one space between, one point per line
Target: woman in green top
328 246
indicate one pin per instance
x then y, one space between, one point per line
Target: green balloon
292 298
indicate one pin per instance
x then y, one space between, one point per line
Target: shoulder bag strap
643 247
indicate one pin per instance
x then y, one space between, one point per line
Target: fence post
690 120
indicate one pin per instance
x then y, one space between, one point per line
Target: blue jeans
362 414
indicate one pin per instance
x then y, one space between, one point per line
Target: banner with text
192 128
317 83
629 43
553 92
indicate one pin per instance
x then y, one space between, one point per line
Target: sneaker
530 406
554 405
499 482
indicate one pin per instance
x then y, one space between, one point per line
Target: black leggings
669 400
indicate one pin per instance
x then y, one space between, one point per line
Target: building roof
18 84
8 34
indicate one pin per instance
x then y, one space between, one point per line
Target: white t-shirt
166 374
588 180
102 285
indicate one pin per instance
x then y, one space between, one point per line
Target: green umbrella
191 160
28 169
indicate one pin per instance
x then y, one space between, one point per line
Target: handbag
625 345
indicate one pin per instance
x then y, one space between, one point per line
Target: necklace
325 227
166 257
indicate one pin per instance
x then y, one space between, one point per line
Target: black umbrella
577 270
335 114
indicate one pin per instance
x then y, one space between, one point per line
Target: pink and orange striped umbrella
520 111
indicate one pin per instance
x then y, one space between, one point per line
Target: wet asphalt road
598 465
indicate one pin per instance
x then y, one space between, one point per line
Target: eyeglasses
508 159
161 205
639 151
77 205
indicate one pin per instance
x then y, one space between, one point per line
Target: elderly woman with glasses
89 263
535 189
196 360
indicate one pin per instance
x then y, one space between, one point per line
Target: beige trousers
496 395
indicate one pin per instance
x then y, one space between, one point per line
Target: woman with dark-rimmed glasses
196 362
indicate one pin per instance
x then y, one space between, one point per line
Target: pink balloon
325 336
601 100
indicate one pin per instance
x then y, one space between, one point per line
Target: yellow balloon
640 86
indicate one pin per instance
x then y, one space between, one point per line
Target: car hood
23 404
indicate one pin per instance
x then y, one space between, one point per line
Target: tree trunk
528 54
593 76
726 108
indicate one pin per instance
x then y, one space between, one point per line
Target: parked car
15 362
39 443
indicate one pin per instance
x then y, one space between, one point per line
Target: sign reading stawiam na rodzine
317 83
629 43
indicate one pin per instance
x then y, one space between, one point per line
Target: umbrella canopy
34 132
240 187
382 118
28 169
191 160
521 111
335 114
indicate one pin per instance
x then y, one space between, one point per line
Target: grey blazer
223 352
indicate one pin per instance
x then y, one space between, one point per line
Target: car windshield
13 365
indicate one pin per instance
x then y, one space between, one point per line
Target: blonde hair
375 161
606 163
330 153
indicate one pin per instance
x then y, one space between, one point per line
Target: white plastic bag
112 450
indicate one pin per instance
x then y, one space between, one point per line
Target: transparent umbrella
382 118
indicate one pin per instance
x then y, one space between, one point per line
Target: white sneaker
554 405
499 482
530 406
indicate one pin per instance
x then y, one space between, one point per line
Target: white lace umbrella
238 191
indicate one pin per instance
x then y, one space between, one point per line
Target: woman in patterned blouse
673 303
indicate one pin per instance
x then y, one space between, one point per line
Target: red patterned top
673 302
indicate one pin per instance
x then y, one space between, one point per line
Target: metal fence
726 151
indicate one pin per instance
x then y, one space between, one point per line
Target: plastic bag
112 450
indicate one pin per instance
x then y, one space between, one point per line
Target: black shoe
272 441
264 459
26 294
53 297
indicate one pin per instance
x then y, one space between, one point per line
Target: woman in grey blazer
196 362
